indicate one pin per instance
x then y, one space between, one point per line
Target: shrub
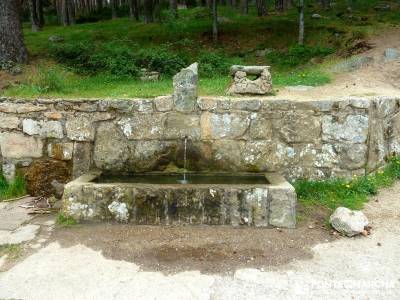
11 189
213 63
161 60
107 58
48 79
74 55
116 60
65 221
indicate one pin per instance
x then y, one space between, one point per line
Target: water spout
184 180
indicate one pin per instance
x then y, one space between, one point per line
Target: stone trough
255 199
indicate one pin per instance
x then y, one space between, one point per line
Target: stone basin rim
273 180
259 205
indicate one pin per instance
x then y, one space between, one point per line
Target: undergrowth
65 221
11 250
348 193
12 189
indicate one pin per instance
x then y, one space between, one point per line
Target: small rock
55 38
391 54
382 7
11 67
222 19
316 16
149 75
244 220
379 244
352 63
310 227
58 188
263 52
348 222
9 171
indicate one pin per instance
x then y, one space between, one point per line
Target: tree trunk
99 4
113 4
287 4
39 9
279 5
157 10
326 4
215 21
71 12
64 12
148 11
134 9
67 12
245 7
301 22
261 8
34 17
12 47
173 6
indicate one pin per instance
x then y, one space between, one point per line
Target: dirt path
378 78
356 268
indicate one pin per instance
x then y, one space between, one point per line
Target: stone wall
312 139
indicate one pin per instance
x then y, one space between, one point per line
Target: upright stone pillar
185 88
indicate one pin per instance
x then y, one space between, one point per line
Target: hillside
104 59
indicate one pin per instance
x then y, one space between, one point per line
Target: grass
54 81
352 194
12 189
11 250
65 221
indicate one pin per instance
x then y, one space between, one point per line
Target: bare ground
296 264
209 249
378 78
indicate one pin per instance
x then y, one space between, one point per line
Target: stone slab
12 216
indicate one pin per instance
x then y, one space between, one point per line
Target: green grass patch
309 77
348 193
13 189
11 250
65 221
55 81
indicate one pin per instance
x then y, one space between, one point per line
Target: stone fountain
188 195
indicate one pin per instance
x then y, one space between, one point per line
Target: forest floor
93 262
